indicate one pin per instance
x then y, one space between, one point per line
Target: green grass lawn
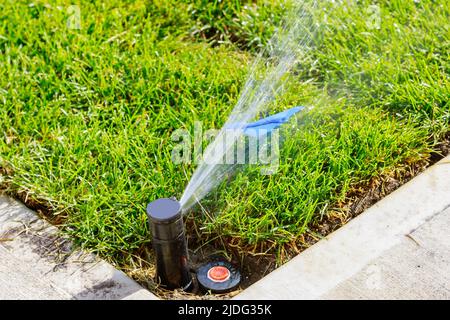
87 115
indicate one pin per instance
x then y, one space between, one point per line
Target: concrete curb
38 263
377 254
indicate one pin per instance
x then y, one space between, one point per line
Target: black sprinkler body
169 243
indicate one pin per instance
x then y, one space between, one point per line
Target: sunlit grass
87 115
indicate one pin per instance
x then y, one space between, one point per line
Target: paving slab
37 262
397 249
415 268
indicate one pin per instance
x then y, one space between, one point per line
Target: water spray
286 48
169 242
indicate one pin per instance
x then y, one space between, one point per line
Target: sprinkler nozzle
169 243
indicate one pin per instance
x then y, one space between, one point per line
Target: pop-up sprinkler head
169 243
218 276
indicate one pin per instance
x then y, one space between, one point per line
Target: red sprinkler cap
218 274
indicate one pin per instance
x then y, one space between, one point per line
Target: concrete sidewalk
36 262
397 249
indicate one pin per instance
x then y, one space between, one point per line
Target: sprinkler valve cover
218 276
